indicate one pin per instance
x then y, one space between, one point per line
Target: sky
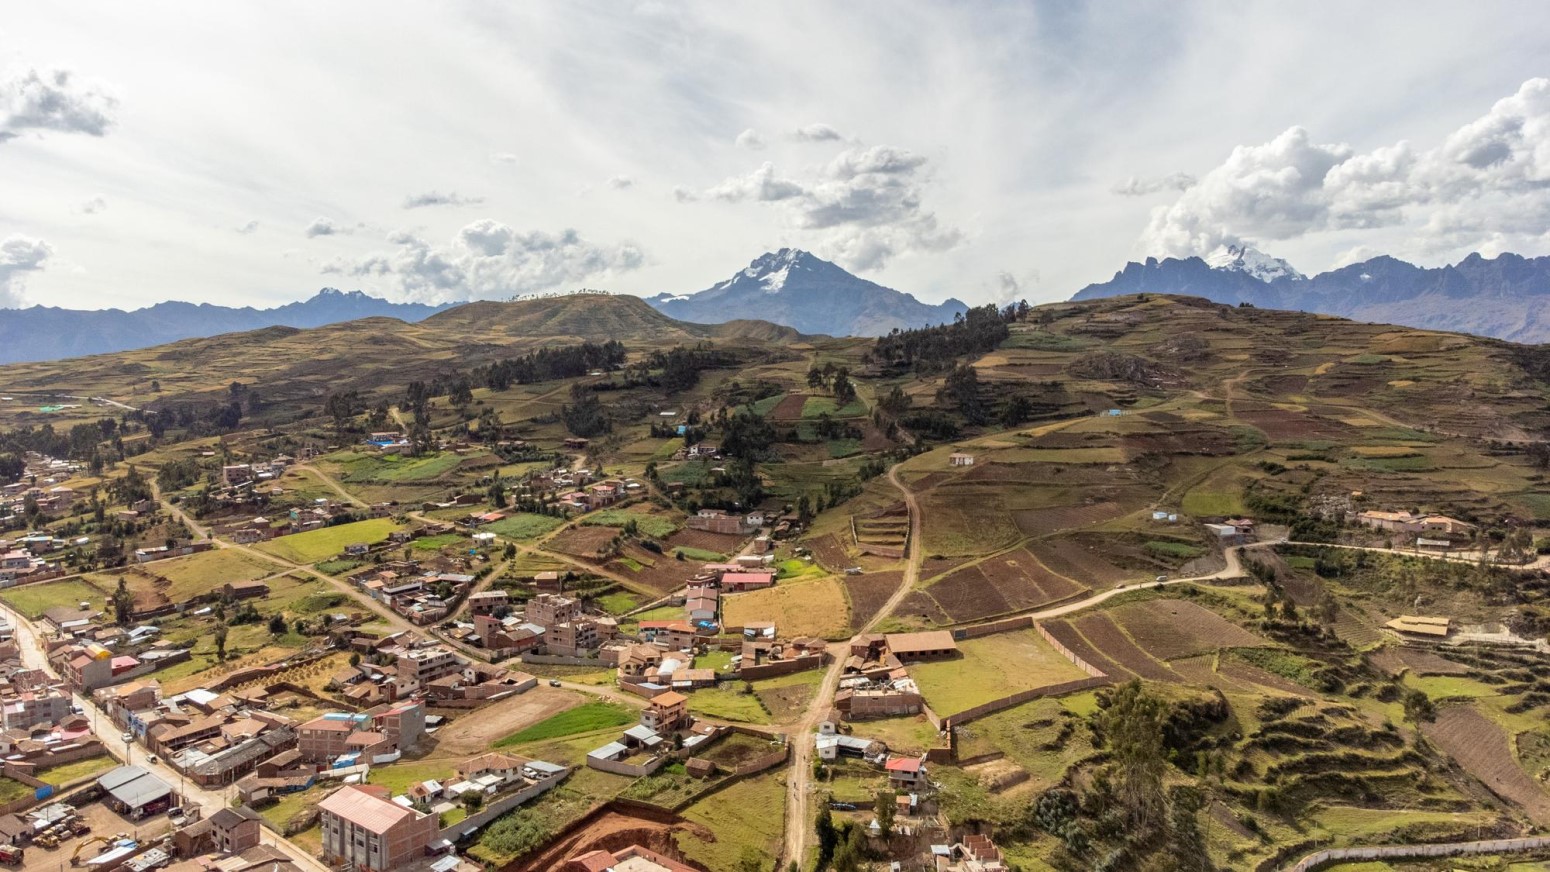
249 154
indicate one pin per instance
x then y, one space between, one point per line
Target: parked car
128 737
554 682
152 758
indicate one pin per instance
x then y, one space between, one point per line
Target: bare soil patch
1107 637
868 593
1483 749
583 541
1168 629
475 732
789 408
1055 519
830 552
704 540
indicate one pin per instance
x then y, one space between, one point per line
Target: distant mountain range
797 289
1507 296
47 333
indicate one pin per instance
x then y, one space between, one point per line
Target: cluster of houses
39 724
876 682
88 654
1429 531
549 623
423 594
321 512
42 484
401 665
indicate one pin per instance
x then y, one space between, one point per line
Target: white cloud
817 133
489 260
749 139
53 100
864 206
250 226
94 205
19 255
504 157
684 195
1486 184
436 198
323 226
619 183
1008 287
1135 186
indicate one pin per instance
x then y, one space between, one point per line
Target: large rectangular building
369 832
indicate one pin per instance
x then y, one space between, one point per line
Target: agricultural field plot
790 407
1066 634
966 520
524 526
992 667
744 821
1168 629
586 718
723 702
315 545
704 540
1041 737
652 523
1107 637
830 552
798 608
649 570
1057 519
815 407
586 542
788 696
868 593
1082 561
1484 750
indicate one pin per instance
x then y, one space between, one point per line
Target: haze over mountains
49 333
1507 296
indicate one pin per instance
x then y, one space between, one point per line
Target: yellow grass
992 667
802 608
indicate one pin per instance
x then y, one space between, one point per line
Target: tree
961 388
277 624
472 801
123 603
750 860
1419 707
886 807
828 836
220 641
1132 725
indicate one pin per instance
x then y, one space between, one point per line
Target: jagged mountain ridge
51 333
800 290
1507 297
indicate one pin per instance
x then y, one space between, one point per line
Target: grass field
11 790
816 406
728 705
397 469
524 525
34 599
199 573
655 526
801 608
69 772
746 818
992 667
581 719
315 545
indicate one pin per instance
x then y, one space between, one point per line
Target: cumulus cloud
863 207
249 226
323 226
684 195
749 139
19 256
817 133
1135 186
489 260
53 100
1486 184
436 198
619 183
1009 288
94 205
504 157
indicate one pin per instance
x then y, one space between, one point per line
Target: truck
11 855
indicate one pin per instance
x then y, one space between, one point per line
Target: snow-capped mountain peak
772 269
1256 263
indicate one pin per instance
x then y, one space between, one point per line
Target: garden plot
315 545
1168 629
1056 519
587 542
1084 563
990 668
